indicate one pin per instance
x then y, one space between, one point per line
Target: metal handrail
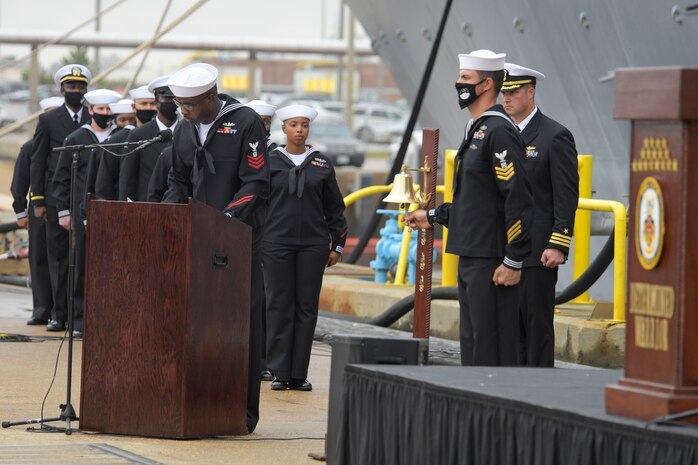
619 249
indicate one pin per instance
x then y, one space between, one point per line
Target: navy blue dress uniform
38 260
266 112
137 168
157 186
227 170
489 224
551 167
305 223
104 166
106 183
120 107
62 184
51 130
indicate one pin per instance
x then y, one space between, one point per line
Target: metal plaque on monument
661 367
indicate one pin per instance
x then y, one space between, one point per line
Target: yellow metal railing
619 249
365 192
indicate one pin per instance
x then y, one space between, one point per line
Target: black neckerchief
296 175
203 159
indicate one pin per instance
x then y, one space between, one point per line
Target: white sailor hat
158 83
140 92
122 106
193 80
51 102
518 76
73 72
102 96
296 111
261 107
482 60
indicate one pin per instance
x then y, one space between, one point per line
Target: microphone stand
67 414
67 411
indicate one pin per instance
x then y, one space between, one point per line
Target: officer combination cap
518 76
193 80
122 106
102 96
159 84
51 102
482 60
72 72
296 111
140 92
262 108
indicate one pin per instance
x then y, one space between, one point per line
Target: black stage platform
487 416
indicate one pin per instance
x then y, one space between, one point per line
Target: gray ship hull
578 57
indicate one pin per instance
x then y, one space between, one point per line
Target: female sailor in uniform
305 232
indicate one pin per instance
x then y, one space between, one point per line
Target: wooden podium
661 367
167 299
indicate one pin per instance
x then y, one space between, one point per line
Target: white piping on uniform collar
310 149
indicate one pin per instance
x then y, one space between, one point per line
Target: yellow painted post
401 269
620 272
449 262
582 226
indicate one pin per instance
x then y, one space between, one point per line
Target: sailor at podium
219 157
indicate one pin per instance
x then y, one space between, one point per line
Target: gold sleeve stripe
504 174
561 236
516 234
517 224
37 197
560 239
553 241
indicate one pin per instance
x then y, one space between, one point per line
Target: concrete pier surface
292 423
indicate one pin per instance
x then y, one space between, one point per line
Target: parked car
332 137
376 122
5 117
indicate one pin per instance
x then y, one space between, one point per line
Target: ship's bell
402 191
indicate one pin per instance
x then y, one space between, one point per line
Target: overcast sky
278 19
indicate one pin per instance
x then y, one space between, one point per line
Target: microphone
163 136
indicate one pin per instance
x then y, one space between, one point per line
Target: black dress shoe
279 385
267 376
36 321
300 385
54 325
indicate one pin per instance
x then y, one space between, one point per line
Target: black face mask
73 99
145 115
102 120
168 110
466 94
